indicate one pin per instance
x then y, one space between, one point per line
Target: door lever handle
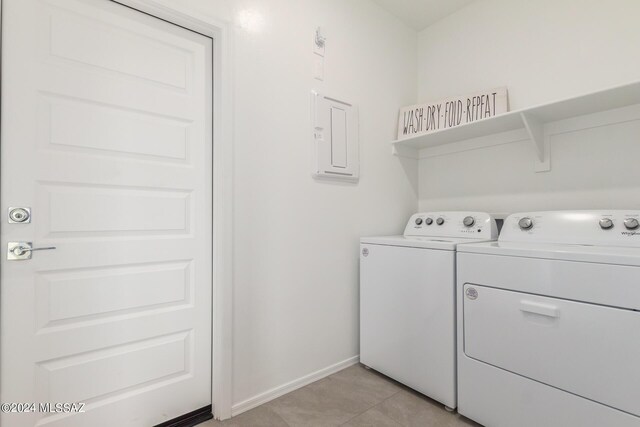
22 250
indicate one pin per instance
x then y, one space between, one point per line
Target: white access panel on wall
335 138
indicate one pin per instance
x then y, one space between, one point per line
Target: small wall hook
320 39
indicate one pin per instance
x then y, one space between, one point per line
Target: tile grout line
373 406
329 378
283 420
389 416
270 408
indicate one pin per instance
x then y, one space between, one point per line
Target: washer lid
441 243
581 253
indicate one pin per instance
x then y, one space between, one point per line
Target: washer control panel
609 228
476 225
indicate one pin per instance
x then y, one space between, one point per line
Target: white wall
542 50
296 240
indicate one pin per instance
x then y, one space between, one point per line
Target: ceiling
419 14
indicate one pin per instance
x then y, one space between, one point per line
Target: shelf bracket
540 141
399 150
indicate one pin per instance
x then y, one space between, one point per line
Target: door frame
222 275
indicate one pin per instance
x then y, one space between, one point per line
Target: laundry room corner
296 264
336 213
543 51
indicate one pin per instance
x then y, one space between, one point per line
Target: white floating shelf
533 120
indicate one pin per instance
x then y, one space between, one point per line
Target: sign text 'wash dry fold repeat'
434 116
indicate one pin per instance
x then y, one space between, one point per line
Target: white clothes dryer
549 322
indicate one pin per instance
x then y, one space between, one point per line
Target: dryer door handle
540 309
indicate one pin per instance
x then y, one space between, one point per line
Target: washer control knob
631 223
469 221
418 221
606 223
428 221
525 223
440 221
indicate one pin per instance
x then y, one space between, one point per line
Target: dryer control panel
602 228
471 225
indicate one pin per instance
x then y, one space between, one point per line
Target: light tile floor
353 397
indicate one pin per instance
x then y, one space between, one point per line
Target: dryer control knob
525 223
606 224
418 221
469 221
631 223
428 221
440 221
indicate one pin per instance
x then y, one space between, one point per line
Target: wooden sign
426 118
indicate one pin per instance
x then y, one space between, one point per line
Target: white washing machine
407 299
549 322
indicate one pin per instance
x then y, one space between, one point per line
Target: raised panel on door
107 137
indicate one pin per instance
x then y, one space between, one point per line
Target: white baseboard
276 392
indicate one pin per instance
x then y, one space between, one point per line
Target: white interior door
107 137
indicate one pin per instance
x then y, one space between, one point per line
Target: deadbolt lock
19 215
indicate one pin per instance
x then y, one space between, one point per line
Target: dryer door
585 349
